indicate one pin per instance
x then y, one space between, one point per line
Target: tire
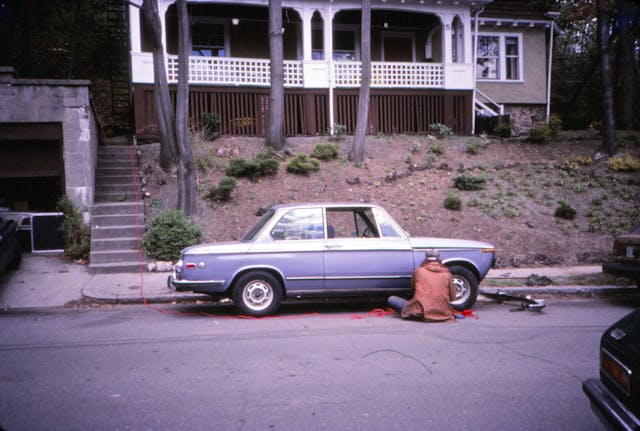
466 287
257 294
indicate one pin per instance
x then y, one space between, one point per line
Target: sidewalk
47 281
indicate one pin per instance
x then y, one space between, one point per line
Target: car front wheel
257 294
466 286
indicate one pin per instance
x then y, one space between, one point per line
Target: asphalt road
184 367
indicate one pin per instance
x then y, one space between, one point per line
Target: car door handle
332 246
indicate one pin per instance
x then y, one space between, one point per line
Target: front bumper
609 408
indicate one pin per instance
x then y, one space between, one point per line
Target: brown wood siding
245 111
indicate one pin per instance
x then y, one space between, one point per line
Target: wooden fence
245 111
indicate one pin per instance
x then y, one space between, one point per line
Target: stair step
106 180
102 172
111 268
114 164
108 208
116 231
114 220
117 243
113 256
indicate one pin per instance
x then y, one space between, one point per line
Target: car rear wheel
257 293
466 287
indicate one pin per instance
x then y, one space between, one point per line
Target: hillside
410 176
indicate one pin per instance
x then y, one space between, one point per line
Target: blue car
324 250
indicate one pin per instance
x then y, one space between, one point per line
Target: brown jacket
433 289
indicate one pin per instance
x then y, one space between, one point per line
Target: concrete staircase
116 218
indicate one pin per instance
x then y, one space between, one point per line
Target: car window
387 229
301 223
351 223
249 236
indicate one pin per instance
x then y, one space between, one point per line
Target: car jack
524 302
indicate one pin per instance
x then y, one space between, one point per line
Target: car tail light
616 371
488 250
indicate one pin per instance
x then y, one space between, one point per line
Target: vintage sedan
324 250
615 396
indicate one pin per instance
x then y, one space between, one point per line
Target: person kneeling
433 290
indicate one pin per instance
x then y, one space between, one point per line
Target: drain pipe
552 16
475 83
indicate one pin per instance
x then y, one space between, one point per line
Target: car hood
447 243
219 247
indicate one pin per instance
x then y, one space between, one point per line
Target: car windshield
250 236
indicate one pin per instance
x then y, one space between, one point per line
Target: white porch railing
234 71
255 72
485 105
393 75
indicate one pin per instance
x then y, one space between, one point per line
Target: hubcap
462 290
258 295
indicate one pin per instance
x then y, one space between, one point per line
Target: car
10 252
615 396
626 256
324 250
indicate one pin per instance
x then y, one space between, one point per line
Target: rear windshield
250 236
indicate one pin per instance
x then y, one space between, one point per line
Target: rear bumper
608 408
197 286
622 269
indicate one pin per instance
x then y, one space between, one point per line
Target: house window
208 39
499 57
344 45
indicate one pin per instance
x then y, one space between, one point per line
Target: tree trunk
275 134
627 11
186 170
608 126
162 100
357 148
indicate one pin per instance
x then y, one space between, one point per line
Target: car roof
326 205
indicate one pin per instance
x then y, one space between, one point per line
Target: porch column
306 15
447 48
134 28
327 18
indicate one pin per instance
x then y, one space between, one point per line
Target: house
433 61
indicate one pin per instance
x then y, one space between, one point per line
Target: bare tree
275 133
628 12
161 98
356 155
186 170
604 31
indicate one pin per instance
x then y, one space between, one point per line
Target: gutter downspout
473 57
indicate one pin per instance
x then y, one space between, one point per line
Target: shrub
169 232
337 131
555 125
502 129
468 182
565 211
75 234
303 165
263 164
475 145
222 192
210 122
540 134
325 152
436 148
625 163
440 130
452 202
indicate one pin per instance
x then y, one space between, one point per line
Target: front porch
422 64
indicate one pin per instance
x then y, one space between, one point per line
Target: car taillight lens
615 370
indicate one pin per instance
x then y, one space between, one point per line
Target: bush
436 148
625 163
468 182
565 211
169 232
440 130
452 202
337 132
222 192
263 164
502 129
555 125
75 234
325 152
540 134
303 165
210 122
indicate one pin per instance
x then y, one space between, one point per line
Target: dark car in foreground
626 256
324 250
10 253
615 396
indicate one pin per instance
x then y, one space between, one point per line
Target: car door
362 253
